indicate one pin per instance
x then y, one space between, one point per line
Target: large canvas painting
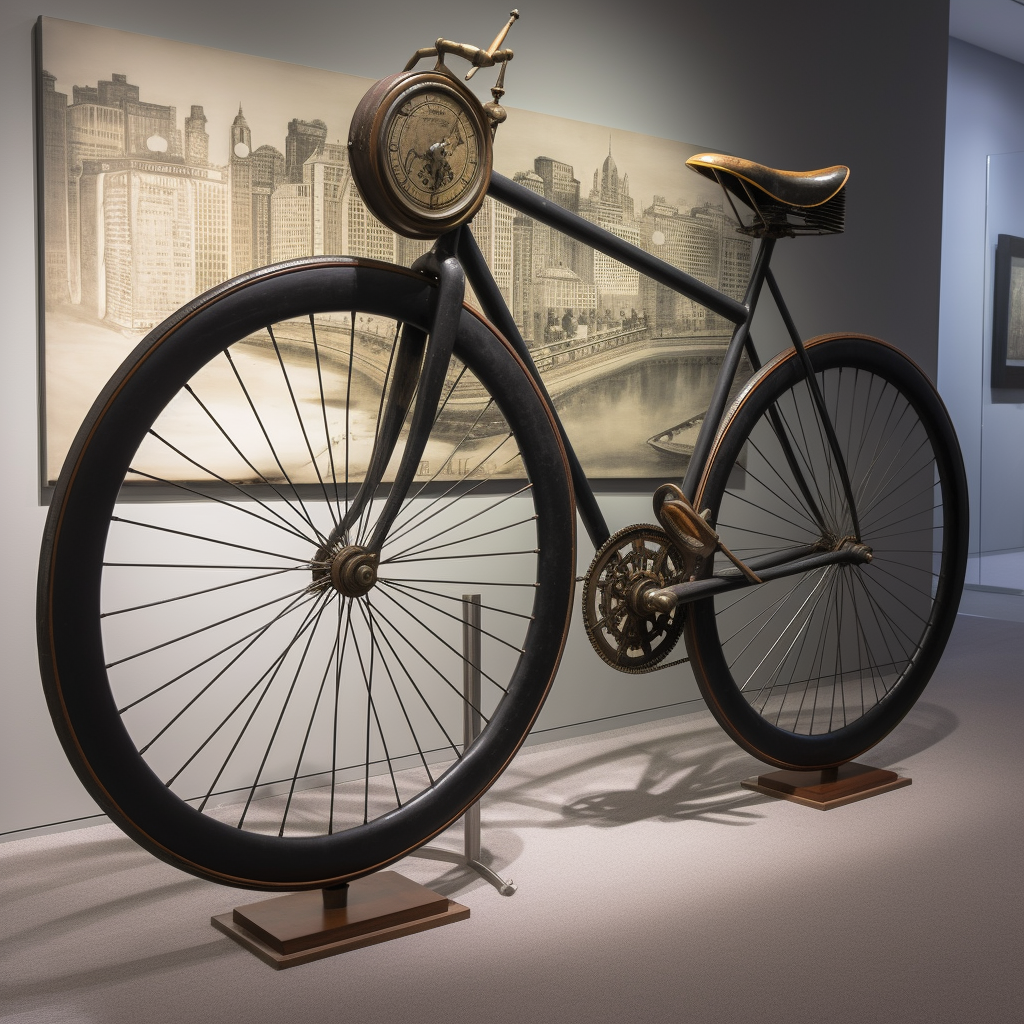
1008 314
167 168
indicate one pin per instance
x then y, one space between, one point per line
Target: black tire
231 711
811 670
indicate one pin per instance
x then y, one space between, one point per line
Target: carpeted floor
651 888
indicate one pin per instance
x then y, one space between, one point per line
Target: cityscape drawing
168 168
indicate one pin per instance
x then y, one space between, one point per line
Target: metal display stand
470 731
828 788
305 926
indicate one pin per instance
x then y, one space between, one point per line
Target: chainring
630 561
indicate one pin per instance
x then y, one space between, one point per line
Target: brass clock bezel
367 145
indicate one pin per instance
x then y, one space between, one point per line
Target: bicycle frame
456 252
741 314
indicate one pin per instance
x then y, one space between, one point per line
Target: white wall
984 116
864 87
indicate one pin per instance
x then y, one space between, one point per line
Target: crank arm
451 287
690 531
777 566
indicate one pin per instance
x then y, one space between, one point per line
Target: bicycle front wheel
223 699
810 670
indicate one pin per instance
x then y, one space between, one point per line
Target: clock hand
413 155
455 139
439 162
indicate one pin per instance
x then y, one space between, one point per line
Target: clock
420 151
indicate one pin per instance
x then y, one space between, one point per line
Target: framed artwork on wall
1008 314
166 168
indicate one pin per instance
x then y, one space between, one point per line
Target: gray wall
985 116
864 87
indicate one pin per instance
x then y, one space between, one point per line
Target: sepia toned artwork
167 168
1015 315
1008 314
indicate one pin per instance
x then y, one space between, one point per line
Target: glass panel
999 562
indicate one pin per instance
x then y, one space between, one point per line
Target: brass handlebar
477 57
497 41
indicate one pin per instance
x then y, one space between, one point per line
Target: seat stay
787 448
819 400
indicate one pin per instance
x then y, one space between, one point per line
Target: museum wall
984 118
864 88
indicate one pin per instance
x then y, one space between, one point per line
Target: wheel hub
352 571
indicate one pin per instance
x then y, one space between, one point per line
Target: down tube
495 309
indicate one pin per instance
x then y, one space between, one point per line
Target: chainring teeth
628 561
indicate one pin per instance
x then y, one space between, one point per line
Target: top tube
528 202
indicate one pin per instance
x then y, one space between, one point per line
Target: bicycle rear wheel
811 670
222 700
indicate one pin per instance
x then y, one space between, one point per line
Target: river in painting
610 419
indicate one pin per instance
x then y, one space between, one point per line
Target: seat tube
727 373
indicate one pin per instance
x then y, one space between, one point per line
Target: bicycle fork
420 366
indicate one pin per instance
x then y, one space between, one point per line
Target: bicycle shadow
692 774
688 771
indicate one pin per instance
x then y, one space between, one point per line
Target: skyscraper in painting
267 173
240 202
138 220
610 206
304 138
197 139
144 219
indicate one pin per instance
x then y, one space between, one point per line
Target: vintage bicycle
249 613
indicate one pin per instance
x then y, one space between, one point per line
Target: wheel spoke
275 729
819 655
273 451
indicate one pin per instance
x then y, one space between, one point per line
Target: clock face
420 152
432 151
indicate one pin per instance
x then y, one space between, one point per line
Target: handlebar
477 57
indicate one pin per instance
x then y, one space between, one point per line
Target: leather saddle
785 202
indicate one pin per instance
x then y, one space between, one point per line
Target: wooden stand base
298 928
830 788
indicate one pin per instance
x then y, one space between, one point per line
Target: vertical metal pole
470 731
471 707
